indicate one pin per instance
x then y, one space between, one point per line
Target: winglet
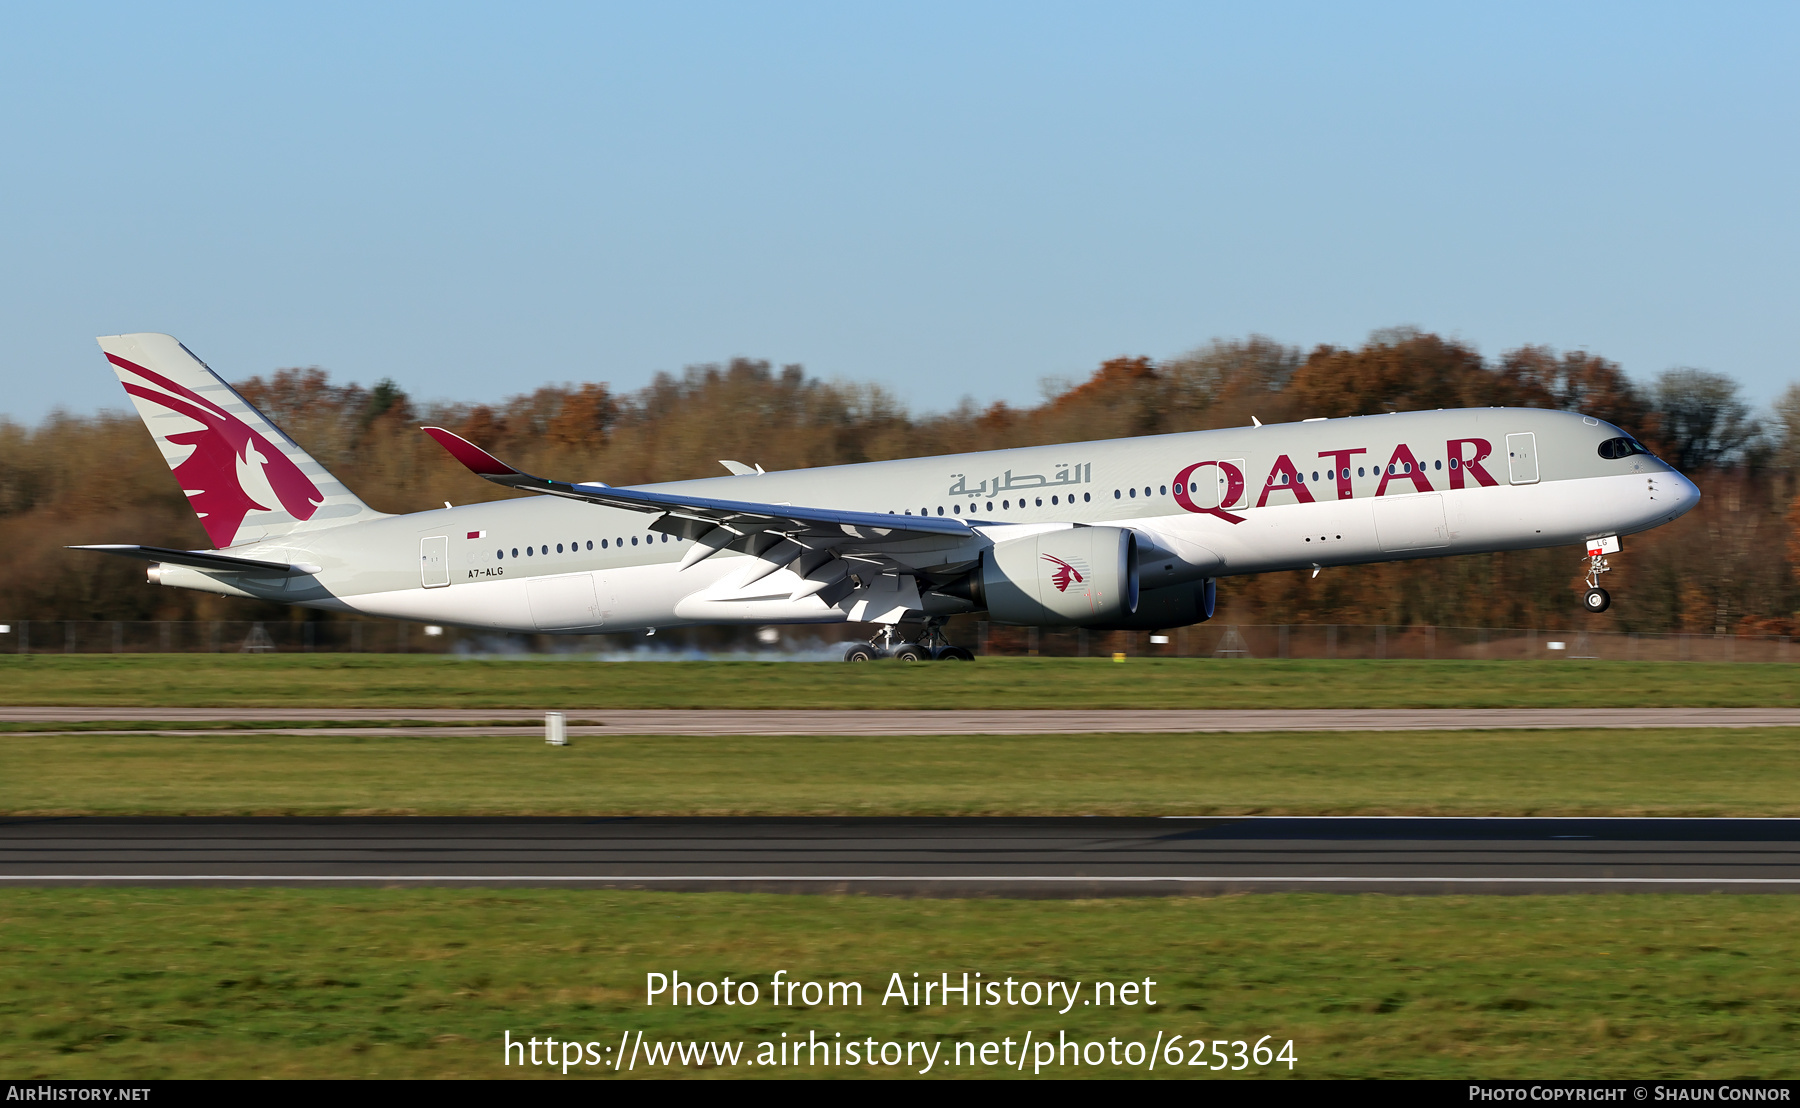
478 460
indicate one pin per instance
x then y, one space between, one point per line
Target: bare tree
1703 422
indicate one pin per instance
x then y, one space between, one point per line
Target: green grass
1751 771
136 983
366 680
79 726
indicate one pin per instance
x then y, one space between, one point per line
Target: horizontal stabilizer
207 560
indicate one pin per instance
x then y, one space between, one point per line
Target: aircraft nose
1684 492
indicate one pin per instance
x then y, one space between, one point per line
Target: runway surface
680 721
928 857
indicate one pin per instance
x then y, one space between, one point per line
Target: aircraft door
434 561
1213 487
1242 500
1521 458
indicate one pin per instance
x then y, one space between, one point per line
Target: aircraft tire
1597 600
859 653
912 652
955 654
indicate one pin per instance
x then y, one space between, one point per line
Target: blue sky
948 200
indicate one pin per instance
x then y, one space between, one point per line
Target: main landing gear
930 646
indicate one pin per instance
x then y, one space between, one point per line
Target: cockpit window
1622 448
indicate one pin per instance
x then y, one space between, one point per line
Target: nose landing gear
1597 599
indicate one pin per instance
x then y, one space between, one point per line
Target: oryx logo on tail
225 451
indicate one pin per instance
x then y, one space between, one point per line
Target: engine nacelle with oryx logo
1076 576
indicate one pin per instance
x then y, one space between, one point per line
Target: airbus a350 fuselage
1115 533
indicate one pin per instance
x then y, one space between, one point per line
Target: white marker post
556 730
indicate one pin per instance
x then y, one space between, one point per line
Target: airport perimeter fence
1209 640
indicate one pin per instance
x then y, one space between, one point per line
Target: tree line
1726 567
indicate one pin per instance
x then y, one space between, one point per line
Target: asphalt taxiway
923 857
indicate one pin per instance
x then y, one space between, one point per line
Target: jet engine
1170 606
1079 577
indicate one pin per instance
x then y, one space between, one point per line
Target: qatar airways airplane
1110 535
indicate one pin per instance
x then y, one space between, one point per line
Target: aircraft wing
697 516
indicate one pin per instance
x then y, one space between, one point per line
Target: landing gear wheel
955 654
912 652
859 653
1597 599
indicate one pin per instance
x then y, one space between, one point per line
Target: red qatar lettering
1340 461
1234 488
1404 467
1284 465
1460 462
